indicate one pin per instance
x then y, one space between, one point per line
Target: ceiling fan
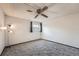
40 12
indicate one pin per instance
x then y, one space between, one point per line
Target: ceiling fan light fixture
40 11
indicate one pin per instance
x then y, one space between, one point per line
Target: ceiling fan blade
44 15
44 8
29 10
36 16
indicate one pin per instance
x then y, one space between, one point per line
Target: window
35 26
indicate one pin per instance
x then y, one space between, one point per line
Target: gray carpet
40 48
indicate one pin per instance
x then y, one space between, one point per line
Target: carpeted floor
40 48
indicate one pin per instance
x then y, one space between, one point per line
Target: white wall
63 29
2 41
21 32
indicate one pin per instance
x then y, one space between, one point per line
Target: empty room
39 29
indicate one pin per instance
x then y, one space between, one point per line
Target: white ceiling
54 10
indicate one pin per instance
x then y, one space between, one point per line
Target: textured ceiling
54 10
40 5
